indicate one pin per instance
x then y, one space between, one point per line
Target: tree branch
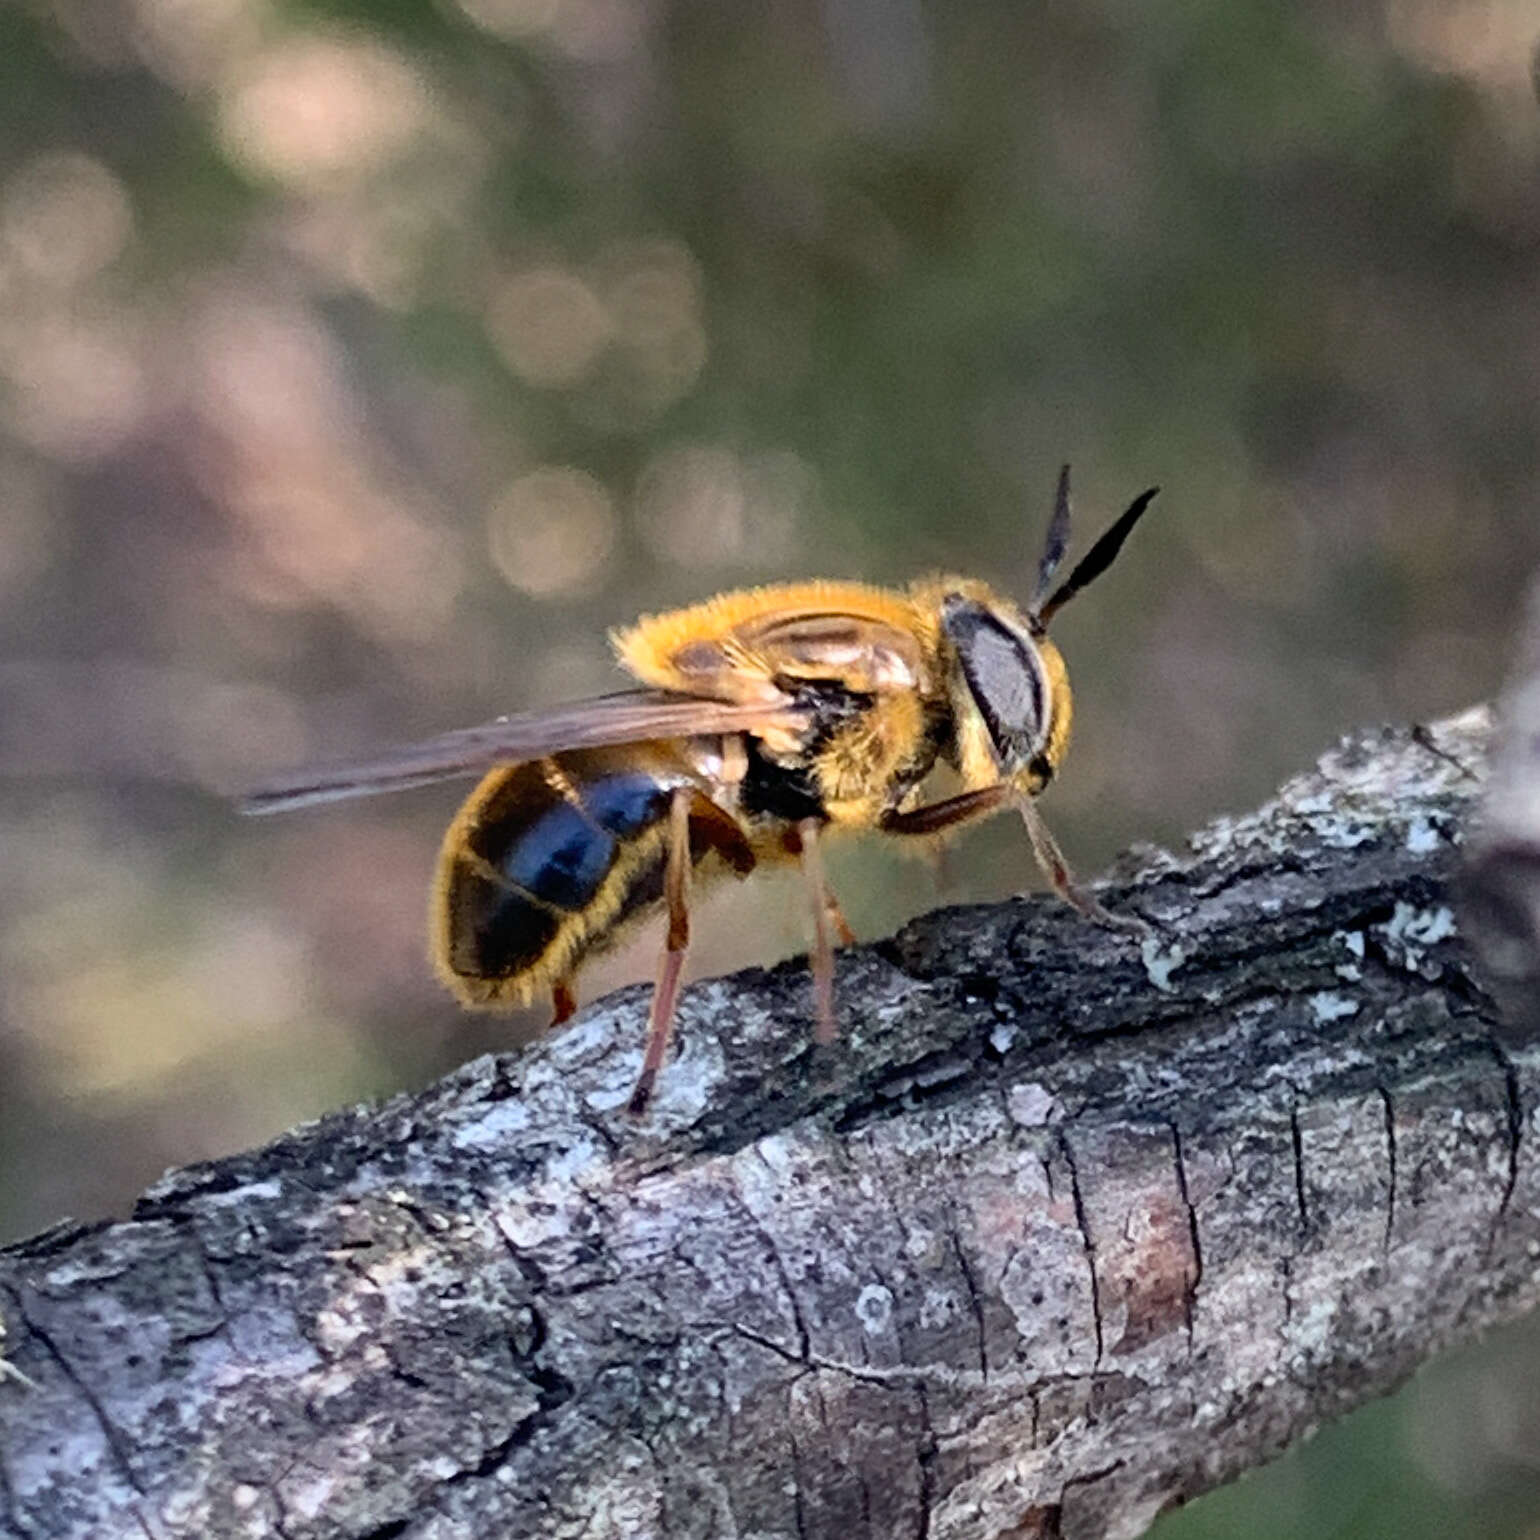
1063 1231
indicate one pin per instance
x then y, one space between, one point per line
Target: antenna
1096 560
1055 545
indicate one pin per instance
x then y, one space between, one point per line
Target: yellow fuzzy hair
851 771
648 648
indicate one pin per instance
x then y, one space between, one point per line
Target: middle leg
665 994
824 907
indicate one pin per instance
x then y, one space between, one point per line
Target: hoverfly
766 719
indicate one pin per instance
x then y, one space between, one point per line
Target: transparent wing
631 716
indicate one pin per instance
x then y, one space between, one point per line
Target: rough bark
1063 1231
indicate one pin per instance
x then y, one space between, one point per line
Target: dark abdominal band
552 857
534 856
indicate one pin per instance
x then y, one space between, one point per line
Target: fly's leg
563 1002
972 805
953 813
1056 869
825 910
676 881
843 934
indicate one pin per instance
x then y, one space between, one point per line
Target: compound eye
1005 678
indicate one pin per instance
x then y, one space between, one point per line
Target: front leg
969 806
940 817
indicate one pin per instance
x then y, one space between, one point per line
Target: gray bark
1066 1229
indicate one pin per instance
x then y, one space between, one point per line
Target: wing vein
632 716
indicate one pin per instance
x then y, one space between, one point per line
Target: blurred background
363 361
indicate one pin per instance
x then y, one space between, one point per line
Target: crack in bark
929 1453
1297 1143
110 1434
779 1263
1083 1222
1515 1107
604 1134
209 1276
736 1329
553 1390
886 1376
973 1300
7 1497
391 1530
1421 733
1190 1285
1390 1147
274 1489
799 1516
1089 1479
528 1268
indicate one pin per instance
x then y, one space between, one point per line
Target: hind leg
563 1002
665 994
843 934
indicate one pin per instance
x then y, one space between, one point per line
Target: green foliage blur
363 361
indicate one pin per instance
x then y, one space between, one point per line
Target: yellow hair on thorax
656 646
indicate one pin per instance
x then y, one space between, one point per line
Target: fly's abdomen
539 866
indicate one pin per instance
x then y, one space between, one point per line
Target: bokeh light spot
191 41
1489 41
655 304
77 383
310 110
551 532
64 218
516 20
701 506
548 325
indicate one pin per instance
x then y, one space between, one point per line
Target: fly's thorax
1008 689
760 644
